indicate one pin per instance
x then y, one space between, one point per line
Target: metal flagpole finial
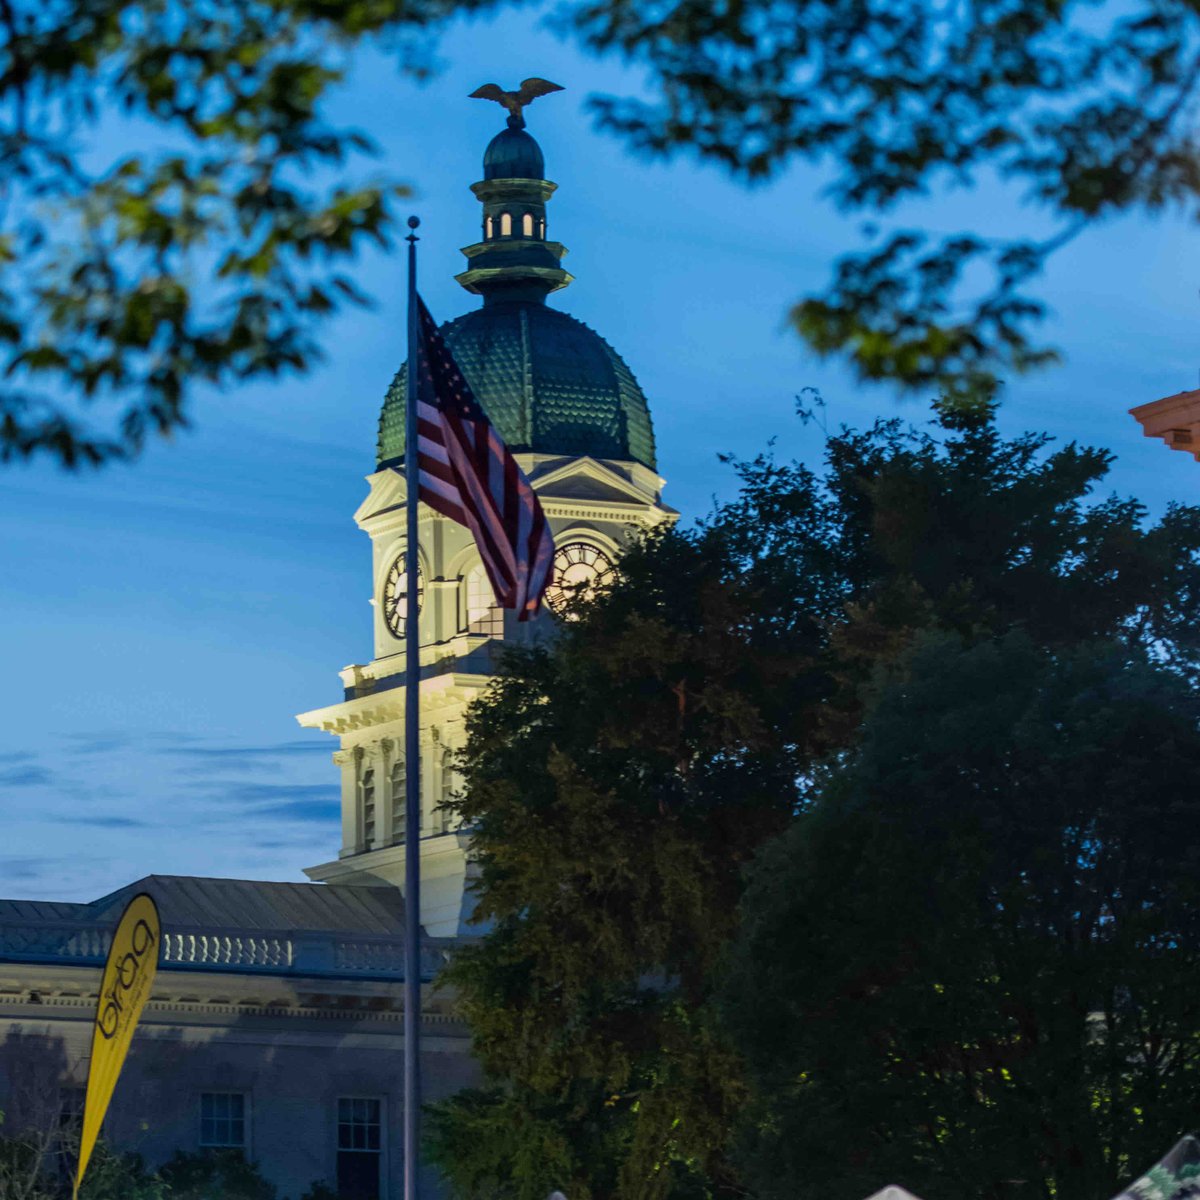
414 223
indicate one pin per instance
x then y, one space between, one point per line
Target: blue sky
161 624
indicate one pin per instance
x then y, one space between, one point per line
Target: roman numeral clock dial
579 569
395 596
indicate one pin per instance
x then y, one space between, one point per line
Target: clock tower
578 423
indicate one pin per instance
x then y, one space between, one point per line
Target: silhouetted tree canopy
620 780
211 248
969 966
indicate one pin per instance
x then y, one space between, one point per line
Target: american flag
468 474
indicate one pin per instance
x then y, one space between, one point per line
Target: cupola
549 383
514 260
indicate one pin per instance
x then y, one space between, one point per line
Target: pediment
387 492
584 480
590 479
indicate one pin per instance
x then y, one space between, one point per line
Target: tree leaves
619 781
1089 111
968 965
206 255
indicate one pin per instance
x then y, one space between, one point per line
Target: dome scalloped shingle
548 382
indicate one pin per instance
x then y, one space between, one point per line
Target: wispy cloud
268 793
88 743
315 811
243 801
279 750
24 867
267 807
25 776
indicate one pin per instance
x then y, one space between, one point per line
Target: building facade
578 423
274 1027
275 1023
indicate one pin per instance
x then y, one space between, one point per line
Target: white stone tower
572 412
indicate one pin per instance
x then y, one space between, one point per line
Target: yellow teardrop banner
124 990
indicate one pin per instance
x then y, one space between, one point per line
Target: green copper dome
548 382
513 154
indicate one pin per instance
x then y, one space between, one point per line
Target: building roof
513 154
1175 419
194 902
246 926
42 910
548 383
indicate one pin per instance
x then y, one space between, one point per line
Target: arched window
368 806
505 224
399 783
483 616
527 225
487 227
542 228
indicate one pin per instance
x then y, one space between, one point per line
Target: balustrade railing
292 952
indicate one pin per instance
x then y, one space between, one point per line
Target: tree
213 252
38 1163
214 1175
205 254
1089 110
969 967
619 780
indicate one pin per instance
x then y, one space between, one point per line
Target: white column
344 761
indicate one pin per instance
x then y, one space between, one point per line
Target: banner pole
412 753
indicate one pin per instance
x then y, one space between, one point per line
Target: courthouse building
275 1024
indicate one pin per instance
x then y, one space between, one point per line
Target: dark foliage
211 250
214 1175
620 780
969 967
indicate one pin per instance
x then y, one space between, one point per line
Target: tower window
527 225
368 807
399 786
487 227
359 1147
506 224
483 616
542 228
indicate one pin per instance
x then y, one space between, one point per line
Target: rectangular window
482 614
368 807
400 804
223 1119
399 782
359 1147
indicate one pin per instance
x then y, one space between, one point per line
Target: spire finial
516 101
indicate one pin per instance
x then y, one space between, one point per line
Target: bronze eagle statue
526 94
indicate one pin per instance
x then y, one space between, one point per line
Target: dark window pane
357 1176
222 1119
359 1141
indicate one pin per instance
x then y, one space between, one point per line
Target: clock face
579 568
395 596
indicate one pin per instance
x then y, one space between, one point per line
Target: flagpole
412 754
